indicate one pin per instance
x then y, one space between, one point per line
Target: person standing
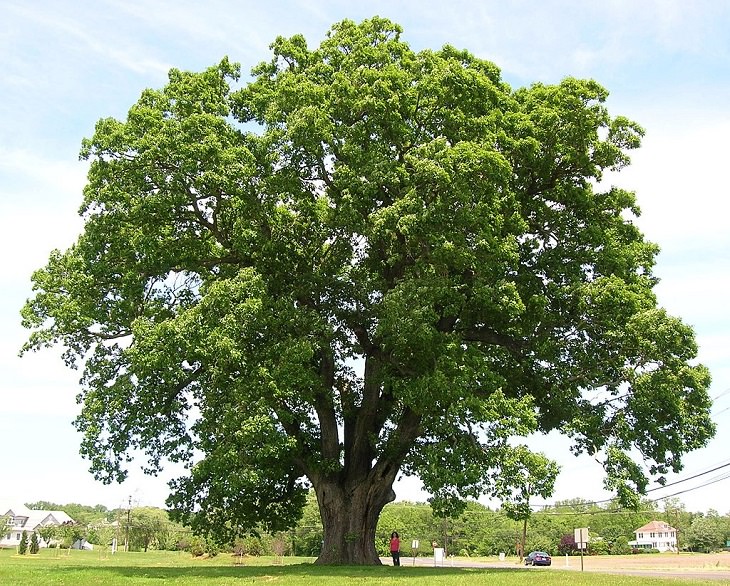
395 548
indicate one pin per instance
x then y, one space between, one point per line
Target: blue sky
64 65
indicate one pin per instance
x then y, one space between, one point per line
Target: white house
655 535
21 519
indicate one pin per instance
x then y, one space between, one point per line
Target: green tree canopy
706 533
364 261
149 527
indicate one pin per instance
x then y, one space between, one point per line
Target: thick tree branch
489 336
325 408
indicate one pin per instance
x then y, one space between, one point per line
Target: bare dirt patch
657 561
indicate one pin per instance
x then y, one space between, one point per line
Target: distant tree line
482 531
479 531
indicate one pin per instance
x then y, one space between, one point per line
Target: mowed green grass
79 568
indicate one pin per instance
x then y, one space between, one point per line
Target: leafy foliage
706 533
34 545
23 545
82 514
49 534
365 261
567 544
69 533
149 527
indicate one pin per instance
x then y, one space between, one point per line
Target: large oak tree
366 261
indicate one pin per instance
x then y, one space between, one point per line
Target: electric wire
680 481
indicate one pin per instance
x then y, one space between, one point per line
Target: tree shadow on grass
296 574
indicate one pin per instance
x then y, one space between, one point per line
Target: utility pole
446 536
129 521
676 529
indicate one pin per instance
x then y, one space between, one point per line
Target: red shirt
394 544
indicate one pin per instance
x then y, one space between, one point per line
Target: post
581 540
581 559
676 530
446 536
524 539
129 520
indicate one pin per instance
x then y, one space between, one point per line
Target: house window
17 536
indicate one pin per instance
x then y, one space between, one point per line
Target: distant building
655 535
21 519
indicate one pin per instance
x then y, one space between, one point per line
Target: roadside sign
581 538
438 556
581 541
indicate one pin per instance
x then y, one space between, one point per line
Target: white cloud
679 177
42 196
90 36
65 177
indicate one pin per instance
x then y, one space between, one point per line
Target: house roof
655 526
36 518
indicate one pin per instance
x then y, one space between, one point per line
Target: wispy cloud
34 170
680 181
92 36
38 198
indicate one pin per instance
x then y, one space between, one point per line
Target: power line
624 511
725 465
618 511
725 392
680 481
713 481
721 411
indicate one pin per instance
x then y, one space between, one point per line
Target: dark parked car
538 558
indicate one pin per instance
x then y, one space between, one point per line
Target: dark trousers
396 557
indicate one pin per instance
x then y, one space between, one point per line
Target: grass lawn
79 568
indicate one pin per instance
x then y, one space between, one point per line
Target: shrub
239 547
251 545
23 547
620 548
279 545
598 547
540 543
34 546
567 544
196 546
212 549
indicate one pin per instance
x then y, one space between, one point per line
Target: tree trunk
350 517
524 539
